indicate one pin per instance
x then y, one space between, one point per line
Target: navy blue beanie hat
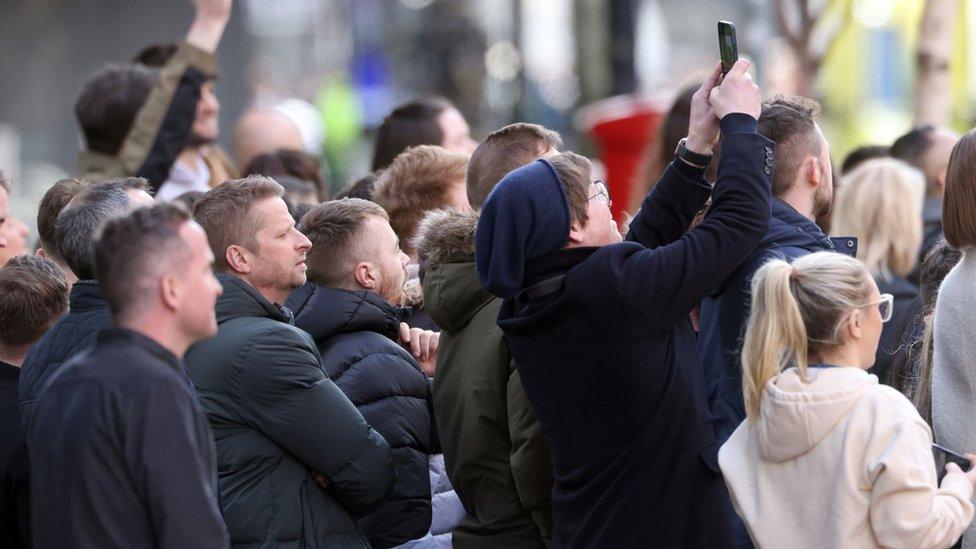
525 217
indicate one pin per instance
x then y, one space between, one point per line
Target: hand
422 344
209 23
970 475
320 479
703 126
736 93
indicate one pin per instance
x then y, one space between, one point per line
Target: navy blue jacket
904 293
725 311
73 333
356 334
607 357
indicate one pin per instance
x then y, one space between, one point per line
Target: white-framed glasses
602 192
885 306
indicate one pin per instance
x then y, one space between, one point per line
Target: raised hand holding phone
736 93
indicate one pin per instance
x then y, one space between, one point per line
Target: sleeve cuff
203 61
958 484
739 122
687 170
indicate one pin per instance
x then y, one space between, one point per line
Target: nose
304 243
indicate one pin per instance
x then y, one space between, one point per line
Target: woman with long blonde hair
880 203
827 456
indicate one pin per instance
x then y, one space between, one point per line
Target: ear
366 276
575 233
940 180
238 259
855 324
169 288
41 253
814 171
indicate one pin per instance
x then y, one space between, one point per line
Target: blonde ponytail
797 312
775 334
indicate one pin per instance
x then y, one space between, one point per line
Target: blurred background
598 71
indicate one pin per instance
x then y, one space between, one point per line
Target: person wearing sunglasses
827 456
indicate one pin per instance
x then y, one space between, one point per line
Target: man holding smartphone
600 332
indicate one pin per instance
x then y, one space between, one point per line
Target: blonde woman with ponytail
828 457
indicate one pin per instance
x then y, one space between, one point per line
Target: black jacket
121 454
277 419
356 334
14 470
607 356
73 333
904 293
725 311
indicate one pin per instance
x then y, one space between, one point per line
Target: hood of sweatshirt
796 413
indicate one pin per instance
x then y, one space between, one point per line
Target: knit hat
525 217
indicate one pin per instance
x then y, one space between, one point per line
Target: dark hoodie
504 474
356 333
277 418
724 312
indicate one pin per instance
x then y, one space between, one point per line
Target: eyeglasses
602 193
885 306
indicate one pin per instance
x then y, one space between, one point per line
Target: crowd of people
461 349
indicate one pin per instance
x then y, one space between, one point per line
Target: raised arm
665 283
161 127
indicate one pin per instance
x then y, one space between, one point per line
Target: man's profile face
280 247
386 257
600 228
200 287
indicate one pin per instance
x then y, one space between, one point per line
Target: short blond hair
880 203
416 182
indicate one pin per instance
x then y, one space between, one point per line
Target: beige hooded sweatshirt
841 461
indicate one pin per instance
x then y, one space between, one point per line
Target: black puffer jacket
356 333
277 419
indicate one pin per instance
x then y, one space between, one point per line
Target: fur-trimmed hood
445 242
445 234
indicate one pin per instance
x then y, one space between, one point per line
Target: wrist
205 33
697 145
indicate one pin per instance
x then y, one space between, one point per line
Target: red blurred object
622 128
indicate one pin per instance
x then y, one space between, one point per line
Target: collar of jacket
125 336
789 227
555 264
96 164
327 312
86 295
241 299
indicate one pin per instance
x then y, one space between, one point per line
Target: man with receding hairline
121 453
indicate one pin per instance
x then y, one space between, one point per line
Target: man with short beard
298 462
802 189
350 306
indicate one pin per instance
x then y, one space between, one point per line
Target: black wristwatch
691 157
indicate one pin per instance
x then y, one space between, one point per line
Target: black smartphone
727 46
944 455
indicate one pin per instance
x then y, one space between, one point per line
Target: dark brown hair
417 181
959 202
574 174
156 55
861 155
224 213
361 188
502 151
33 295
297 164
54 200
108 103
134 250
411 124
334 227
790 122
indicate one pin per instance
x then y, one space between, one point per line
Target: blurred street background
597 71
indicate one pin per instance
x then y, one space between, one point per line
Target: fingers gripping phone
727 46
944 455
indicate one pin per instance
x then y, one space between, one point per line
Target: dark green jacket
276 419
496 456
